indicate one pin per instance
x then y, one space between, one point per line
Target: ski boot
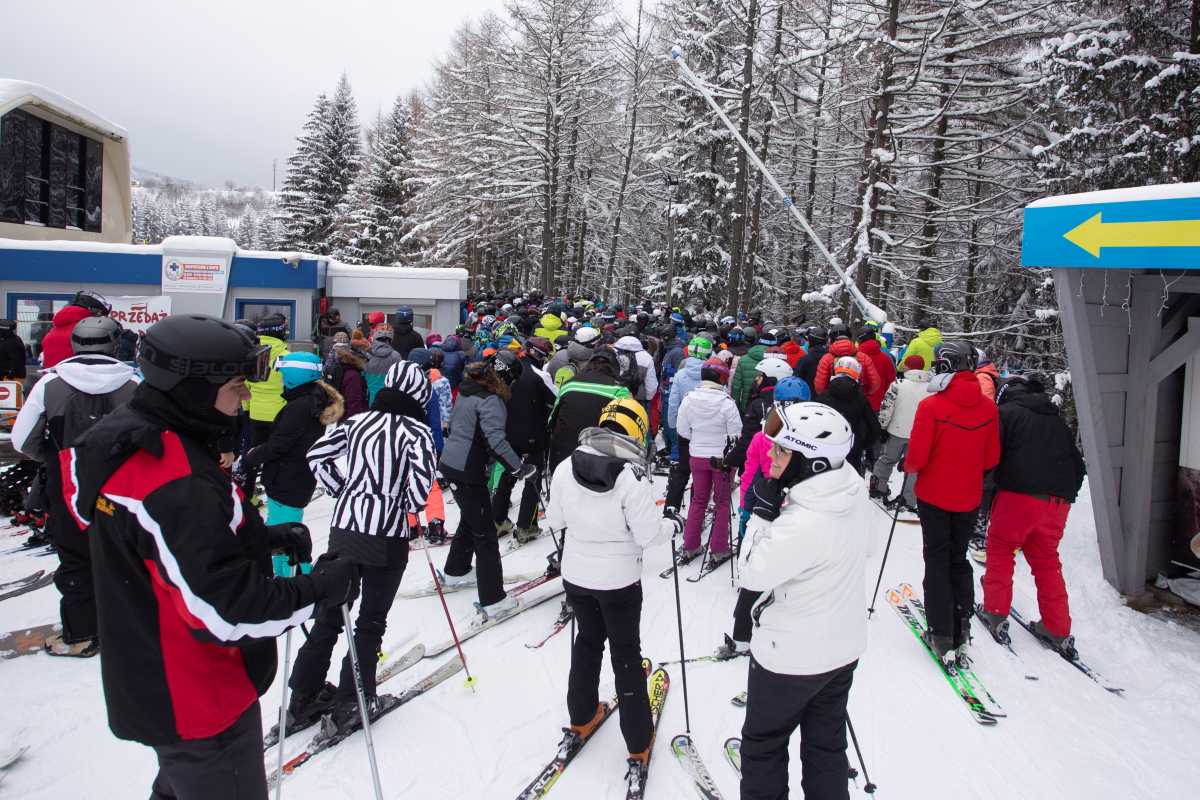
732 648
942 647
715 560
553 564
497 610
435 532
455 581
1064 645
56 646
346 718
635 773
877 490
996 624
504 528
307 708
38 538
585 730
526 535
686 556
962 651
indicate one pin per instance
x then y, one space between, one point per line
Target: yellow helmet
629 418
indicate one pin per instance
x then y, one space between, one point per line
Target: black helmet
506 364
195 346
92 301
954 356
839 330
817 335
751 334
272 325
604 356
95 335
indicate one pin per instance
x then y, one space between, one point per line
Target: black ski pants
476 535
949 585
73 578
615 615
742 624
776 705
530 495
378 586
228 765
260 432
681 473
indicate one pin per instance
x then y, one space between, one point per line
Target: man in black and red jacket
187 604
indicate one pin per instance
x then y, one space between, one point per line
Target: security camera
291 260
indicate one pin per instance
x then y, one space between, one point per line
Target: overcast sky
213 90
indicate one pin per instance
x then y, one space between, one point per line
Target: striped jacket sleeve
323 456
422 468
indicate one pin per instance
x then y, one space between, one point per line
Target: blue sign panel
1138 234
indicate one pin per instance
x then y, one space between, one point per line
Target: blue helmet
404 314
298 369
791 390
734 335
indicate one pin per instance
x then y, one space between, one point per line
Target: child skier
808 558
602 500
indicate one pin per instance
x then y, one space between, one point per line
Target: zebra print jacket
389 457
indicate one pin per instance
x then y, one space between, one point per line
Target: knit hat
432 339
358 340
914 361
699 347
382 334
341 337
298 369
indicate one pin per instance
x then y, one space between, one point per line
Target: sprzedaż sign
139 313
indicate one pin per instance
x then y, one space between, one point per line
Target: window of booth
34 313
49 176
254 310
422 318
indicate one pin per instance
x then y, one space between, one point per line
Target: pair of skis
658 683
27 584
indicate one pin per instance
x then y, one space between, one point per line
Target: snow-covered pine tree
375 215
321 171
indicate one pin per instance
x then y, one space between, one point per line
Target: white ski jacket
604 505
899 407
810 565
708 418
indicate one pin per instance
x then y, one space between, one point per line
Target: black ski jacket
298 426
405 340
188 606
1037 451
846 397
806 368
528 410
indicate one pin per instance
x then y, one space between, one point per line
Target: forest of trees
558 147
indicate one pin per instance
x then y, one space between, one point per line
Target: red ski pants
1035 526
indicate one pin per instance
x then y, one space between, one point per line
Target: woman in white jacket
805 550
710 421
602 500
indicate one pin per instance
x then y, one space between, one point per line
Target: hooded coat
568 362
869 379
810 565
453 360
283 457
266 397
743 376
551 328
955 439
478 431
709 420
1037 450
380 358
923 345
580 401
806 368
884 368
686 379
899 407
648 385
12 355
405 339
845 396
56 344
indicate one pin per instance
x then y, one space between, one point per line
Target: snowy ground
1064 737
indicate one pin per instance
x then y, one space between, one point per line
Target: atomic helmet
818 436
95 335
954 356
774 367
626 416
298 369
184 346
847 367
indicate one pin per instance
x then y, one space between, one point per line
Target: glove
526 470
332 578
718 463
238 471
671 525
671 512
900 459
293 539
765 498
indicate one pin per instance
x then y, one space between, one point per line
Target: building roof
1162 191
14 94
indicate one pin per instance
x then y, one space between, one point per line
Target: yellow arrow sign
1093 234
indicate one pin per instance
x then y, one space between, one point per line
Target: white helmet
817 432
587 335
774 367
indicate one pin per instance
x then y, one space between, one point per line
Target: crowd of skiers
152 466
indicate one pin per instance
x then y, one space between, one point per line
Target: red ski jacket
793 352
884 366
56 346
955 439
844 347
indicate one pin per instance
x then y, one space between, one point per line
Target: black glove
332 577
718 463
765 498
291 538
526 470
900 458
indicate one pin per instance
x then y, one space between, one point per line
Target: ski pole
886 549
437 584
687 717
869 788
732 554
362 701
283 570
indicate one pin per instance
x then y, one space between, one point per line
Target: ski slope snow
1064 737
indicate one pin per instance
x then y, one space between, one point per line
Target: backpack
630 375
81 412
564 374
